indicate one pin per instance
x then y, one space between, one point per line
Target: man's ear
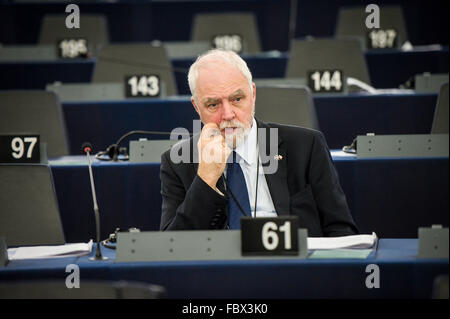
195 106
254 93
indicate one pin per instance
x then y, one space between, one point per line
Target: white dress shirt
247 153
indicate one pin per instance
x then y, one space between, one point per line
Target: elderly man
230 179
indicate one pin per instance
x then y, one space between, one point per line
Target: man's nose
228 113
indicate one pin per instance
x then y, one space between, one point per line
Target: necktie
236 182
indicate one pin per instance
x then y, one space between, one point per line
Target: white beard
237 137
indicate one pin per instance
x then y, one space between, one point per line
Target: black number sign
142 86
233 42
19 149
325 81
73 48
269 236
382 39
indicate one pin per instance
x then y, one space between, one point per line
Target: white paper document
353 242
37 252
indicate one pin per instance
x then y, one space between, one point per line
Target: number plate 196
269 236
19 149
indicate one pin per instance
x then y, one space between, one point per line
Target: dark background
135 21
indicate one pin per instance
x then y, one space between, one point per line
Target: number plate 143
269 236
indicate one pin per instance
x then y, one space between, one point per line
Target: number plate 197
19 149
269 236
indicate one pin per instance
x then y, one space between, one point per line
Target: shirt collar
247 150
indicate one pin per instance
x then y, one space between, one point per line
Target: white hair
227 56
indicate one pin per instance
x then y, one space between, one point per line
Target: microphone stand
98 254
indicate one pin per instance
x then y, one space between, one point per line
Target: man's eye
212 105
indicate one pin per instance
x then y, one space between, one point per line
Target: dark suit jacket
305 184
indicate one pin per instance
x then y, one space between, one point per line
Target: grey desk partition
433 242
208 25
191 245
117 61
149 150
36 112
413 145
29 213
3 252
440 120
430 83
291 105
351 22
332 54
14 53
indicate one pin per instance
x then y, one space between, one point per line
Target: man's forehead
213 97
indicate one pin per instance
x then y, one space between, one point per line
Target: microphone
87 148
113 151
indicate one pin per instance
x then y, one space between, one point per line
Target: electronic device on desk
142 150
111 241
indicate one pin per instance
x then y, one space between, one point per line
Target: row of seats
238 30
44 116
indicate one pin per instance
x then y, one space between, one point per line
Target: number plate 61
269 236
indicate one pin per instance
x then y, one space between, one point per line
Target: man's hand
213 153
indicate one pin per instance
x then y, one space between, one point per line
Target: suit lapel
277 182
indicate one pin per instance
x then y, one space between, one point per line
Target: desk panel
402 275
392 197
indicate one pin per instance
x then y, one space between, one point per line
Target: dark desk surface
392 197
402 274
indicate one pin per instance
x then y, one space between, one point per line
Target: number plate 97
19 149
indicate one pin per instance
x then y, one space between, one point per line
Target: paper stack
37 252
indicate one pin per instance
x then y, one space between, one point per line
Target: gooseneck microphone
87 148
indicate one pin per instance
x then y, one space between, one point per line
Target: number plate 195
269 236
19 149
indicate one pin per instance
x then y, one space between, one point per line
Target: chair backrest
117 61
52 289
440 120
78 92
352 22
334 54
291 105
29 211
233 30
186 49
93 28
36 112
